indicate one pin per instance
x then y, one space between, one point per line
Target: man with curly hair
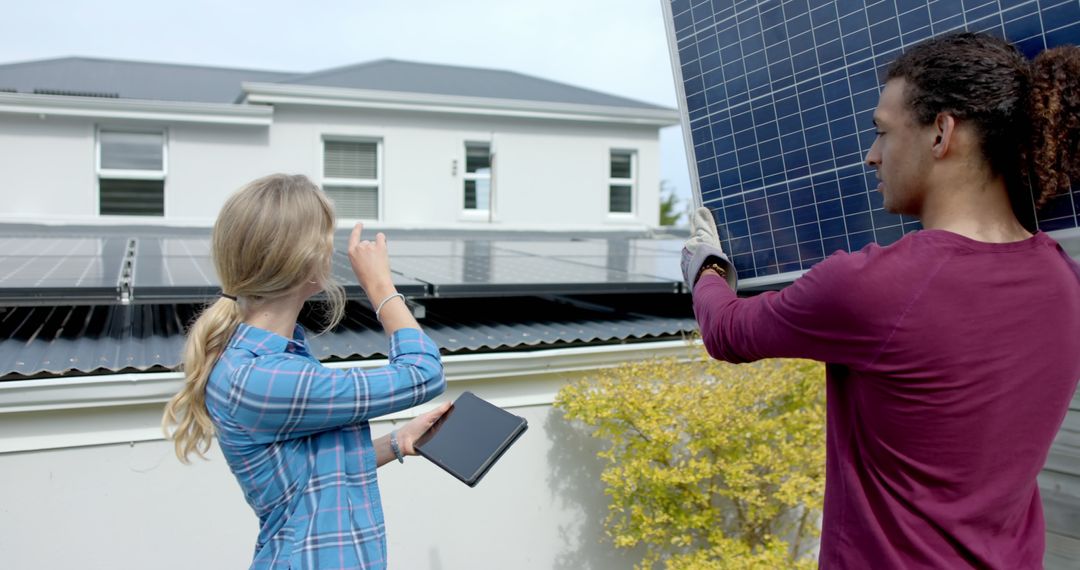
951 354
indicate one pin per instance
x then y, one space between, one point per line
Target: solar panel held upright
777 100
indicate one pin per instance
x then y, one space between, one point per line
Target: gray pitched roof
412 77
192 83
131 79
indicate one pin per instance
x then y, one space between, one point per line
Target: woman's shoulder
243 365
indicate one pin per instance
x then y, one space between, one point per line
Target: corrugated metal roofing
92 77
47 341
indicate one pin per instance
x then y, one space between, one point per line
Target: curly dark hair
1026 114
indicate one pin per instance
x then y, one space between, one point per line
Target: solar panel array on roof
343 274
472 267
149 266
69 269
174 268
777 100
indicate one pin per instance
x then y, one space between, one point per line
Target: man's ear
944 131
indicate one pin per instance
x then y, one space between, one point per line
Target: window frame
484 214
376 182
131 174
631 182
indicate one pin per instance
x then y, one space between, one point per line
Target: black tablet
470 437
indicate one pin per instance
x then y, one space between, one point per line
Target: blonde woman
294 432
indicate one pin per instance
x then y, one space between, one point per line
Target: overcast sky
615 46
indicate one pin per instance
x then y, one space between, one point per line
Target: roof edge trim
274 93
136 109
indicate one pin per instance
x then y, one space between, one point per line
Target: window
131 173
351 177
477 177
621 182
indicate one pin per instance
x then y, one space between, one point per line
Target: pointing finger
354 238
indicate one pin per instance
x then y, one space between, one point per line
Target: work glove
704 247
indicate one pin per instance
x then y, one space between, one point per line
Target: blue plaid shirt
295 434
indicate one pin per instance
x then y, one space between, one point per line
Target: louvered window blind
621 183
351 160
354 201
351 178
131 173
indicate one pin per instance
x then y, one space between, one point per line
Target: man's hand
702 247
703 230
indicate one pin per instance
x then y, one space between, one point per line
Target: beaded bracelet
713 266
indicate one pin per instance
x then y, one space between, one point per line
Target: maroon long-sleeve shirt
951 364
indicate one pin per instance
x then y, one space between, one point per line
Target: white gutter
120 408
277 93
136 109
52 394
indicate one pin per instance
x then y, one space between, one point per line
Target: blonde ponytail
187 409
271 237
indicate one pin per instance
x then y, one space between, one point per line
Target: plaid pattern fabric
295 434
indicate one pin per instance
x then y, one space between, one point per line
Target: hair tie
227 296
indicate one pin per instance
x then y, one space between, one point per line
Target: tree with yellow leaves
709 465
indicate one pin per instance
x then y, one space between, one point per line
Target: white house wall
548 174
86 480
48 168
133 506
206 163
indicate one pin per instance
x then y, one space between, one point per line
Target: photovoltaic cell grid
170 269
467 267
778 99
47 269
343 274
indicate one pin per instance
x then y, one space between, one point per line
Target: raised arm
815 317
286 396
827 315
292 396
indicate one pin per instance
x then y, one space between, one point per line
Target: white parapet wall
87 481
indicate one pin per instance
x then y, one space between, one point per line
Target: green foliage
709 465
669 206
